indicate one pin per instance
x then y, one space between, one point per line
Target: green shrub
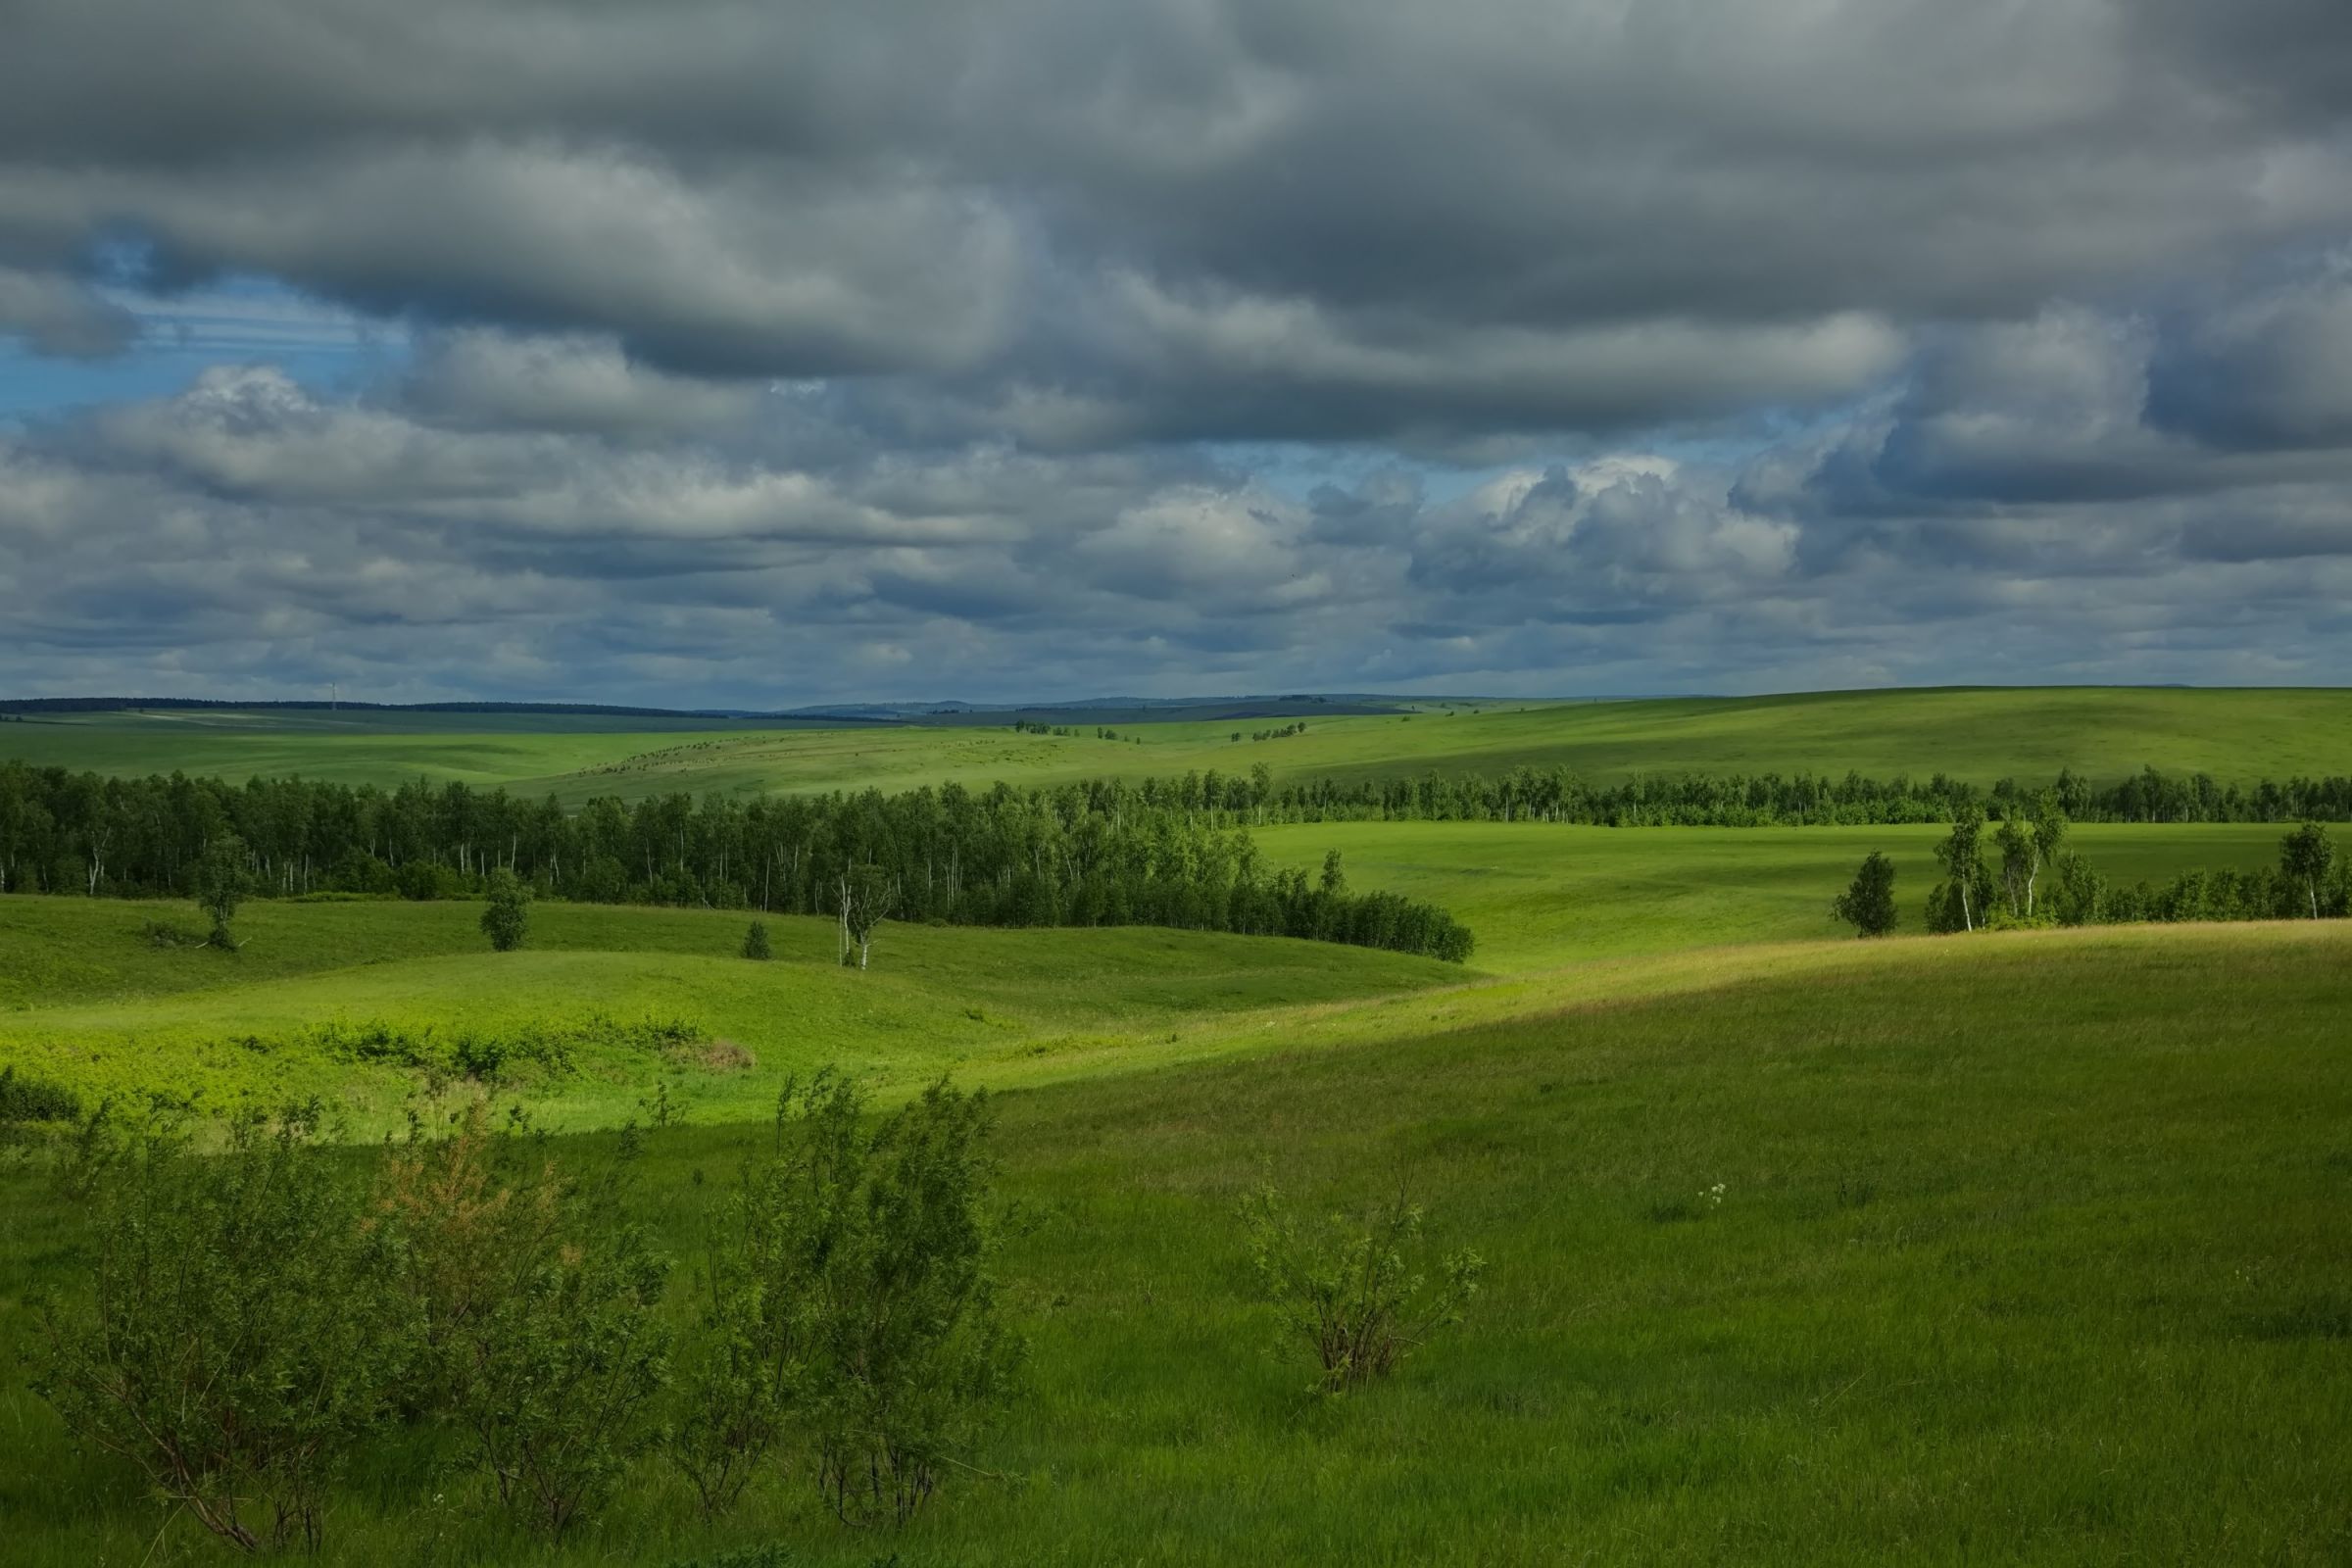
240 1337
851 1313
167 934
1348 1290
754 942
535 1304
23 1098
507 918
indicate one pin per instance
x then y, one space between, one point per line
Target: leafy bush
754 942
850 1308
1350 1291
507 918
166 934
236 1344
535 1304
493 1055
23 1098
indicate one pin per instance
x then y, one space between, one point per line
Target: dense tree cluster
2040 882
1774 800
1101 854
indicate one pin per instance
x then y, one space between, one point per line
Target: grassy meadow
2021 1248
2027 1250
1538 893
1977 734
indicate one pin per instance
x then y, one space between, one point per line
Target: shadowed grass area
2028 1248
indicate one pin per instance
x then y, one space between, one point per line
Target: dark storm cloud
1313 218
1037 346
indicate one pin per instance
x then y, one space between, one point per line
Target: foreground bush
1349 1291
532 1300
849 1313
235 1347
258 1312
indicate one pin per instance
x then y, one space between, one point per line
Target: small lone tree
1335 876
507 919
754 942
221 884
2304 856
1868 904
866 900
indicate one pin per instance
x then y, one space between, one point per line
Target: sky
707 353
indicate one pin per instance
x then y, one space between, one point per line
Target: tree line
1771 800
1083 855
2016 871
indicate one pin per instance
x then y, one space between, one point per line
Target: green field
1976 734
2016 1248
2028 1250
83 1000
1539 894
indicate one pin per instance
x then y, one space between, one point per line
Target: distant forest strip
1000 858
1771 800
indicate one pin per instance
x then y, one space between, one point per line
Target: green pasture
1537 894
1977 734
85 1002
2025 1249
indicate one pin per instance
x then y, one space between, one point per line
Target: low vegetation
658 1232
2089 1153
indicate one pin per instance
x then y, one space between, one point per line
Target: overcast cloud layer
771 353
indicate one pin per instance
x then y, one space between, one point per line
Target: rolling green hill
84 1001
2022 1248
1537 894
1977 734
1921 1250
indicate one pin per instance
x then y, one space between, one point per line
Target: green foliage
754 942
550 1047
1350 1290
167 934
1880 1110
849 1305
507 916
2304 856
868 894
25 1098
1868 904
221 882
537 1300
1967 878
233 1344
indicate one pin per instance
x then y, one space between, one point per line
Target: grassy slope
1537 894
83 1001
1978 734
2029 1250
